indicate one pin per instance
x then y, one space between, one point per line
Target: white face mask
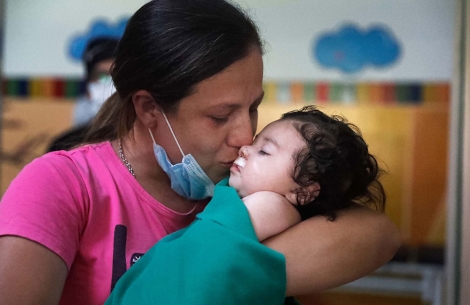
99 91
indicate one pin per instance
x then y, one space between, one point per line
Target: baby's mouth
240 161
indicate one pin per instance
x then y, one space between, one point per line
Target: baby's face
268 164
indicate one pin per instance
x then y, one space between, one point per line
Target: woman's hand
29 273
322 254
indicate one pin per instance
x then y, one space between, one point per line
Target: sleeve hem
45 239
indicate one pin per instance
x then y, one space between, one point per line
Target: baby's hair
338 159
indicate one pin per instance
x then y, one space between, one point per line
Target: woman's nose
242 132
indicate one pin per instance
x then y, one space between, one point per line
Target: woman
73 222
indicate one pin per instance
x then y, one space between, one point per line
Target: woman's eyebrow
235 105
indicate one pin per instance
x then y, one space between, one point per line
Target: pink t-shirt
86 207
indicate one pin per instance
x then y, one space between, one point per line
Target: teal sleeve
216 260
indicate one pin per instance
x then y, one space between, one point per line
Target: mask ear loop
153 139
172 133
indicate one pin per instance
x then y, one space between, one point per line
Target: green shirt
215 260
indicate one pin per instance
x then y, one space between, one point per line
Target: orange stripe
297 92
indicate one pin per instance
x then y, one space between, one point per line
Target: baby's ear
304 195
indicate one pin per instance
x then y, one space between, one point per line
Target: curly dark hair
338 159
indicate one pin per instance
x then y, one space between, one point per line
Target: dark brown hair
338 159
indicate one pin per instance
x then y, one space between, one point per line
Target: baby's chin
232 184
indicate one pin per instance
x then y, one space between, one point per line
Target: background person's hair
98 49
168 47
337 157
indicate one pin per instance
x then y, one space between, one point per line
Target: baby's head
269 163
321 164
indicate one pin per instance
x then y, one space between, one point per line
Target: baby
302 165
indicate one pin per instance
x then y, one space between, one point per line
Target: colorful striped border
357 93
43 87
275 92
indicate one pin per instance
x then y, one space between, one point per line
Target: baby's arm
270 213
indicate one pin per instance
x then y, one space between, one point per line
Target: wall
37 33
424 27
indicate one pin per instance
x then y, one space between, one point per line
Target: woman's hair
338 159
168 47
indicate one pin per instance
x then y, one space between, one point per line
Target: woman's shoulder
85 154
69 167
50 200
60 176
97 148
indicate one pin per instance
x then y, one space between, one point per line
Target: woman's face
218 118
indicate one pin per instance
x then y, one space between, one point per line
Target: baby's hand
270 213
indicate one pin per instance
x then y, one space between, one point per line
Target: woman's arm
322 254
29 273
41 216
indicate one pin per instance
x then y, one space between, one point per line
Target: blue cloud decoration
351 49
98 28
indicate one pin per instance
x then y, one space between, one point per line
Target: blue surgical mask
187 178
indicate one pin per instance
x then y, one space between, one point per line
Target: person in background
303 165
73 222
97 58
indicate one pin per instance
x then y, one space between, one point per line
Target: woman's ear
146 108
304 195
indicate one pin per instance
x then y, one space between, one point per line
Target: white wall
424 27
37 34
